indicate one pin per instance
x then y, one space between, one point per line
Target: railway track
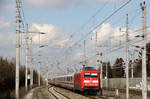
101 97
56 94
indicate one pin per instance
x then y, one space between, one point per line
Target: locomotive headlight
94 74
86 81
95 81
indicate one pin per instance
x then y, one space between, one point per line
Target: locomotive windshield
89 68
90 75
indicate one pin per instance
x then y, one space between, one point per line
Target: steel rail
61 94
57 93
52 93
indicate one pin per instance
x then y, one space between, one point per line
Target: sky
66 22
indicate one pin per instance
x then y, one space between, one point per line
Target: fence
134 83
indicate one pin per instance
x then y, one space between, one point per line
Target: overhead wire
93 16
132 19
132 32
108 51
122 46
99 24
106 19
85 24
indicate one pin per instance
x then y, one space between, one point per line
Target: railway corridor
56 94
50 92
38 93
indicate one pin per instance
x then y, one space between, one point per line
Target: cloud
7 39
7 45
61 3
50 30
109 0
7 5
49 3
10 7
106 34
3 2
112 36
54 36
5 24
78 56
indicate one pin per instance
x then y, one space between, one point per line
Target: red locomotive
85 81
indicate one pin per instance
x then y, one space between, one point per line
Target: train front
90 79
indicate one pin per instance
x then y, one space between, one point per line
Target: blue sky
61 18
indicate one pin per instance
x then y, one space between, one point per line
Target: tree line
7 75
117 70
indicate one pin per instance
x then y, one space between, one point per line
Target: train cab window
87 75
67 78
89 68
71 78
